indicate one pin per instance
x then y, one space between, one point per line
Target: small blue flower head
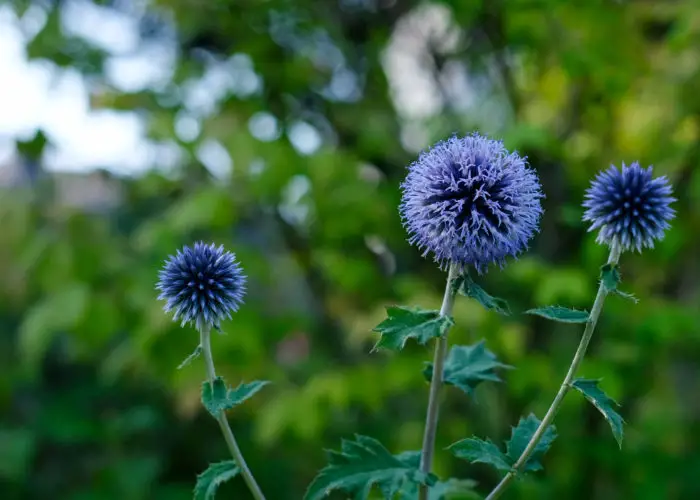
203 285
629 205
469 201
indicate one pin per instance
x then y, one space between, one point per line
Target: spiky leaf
362 464
468 366
452 489
405 323
195 354
466 286
217 397
561 314
610 277
605 405
520 437
209 480
479 451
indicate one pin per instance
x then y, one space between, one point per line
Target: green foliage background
91 405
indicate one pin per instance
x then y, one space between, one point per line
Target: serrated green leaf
195 354
610 277
210 480
362 464
590 390
464 285
479 451
521 436
561 314
405 323
452 489
216 397
468 366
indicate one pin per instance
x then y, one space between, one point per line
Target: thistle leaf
210 480
405 323
468 366
605 405
520 437
464 285
610 277
195 354
216 397
561 314
477 450
364 463
451 489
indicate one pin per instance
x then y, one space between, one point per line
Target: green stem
431 419
565 385
223 422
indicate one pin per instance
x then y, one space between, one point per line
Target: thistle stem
431 419
223 422
565 385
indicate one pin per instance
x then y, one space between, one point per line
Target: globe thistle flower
203 285
630 206
469 201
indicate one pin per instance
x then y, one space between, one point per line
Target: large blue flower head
202 284
629 205
469 201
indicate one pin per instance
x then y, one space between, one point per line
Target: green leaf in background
477 450
561 314
467 287
451 489
195 354
61 311
405 323
216 474
16 453
589 388
363 463
522 434
216 397
610 277
468 366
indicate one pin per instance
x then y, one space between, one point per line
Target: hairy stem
565 385
223 422
431 419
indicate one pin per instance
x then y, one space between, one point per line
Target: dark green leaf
468 366
452 489
610 277
561 314
405 323
216 474
216 397
479 451
362 464
604 403
195 354
521 436
467 287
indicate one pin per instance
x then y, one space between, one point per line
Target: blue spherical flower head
202 285
629 206
469 201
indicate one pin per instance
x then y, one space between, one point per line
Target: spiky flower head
202 285
629 205
470 201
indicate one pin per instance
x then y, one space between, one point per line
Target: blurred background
282 129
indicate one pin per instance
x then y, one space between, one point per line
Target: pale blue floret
469 201
629 205
202 285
